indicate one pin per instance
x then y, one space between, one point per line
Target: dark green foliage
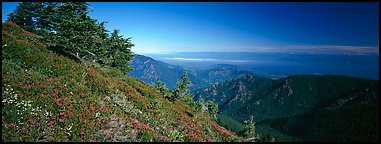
27 15
69 30
230 123
119 52
162 88
353 123
183 84
212 109
297 95
249 129
199 105
182 92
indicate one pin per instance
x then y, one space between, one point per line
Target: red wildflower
62 120
32 121
82 132
164 138
23 129
20 94
27 86
70 113
146 126
66 99
54 94
62 112
193 135
58 102
85 121
51 123
41 95
137 125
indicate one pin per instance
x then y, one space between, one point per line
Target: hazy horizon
362 66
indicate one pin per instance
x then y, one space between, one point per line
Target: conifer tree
26 15
212 109
182 91
162 88
249 129
119 53
199 106
68 27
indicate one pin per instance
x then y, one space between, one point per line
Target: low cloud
304 48
209 60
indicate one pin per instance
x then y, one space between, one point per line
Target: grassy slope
48 97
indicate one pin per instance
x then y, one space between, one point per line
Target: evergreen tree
68 27
182 91
73 30
26 15
249 130
119 53
199 106
212 109
162 88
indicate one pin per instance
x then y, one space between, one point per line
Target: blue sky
324 28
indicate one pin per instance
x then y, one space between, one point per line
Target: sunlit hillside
49 97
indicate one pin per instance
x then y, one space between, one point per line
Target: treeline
67 27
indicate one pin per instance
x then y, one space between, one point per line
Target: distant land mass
281 64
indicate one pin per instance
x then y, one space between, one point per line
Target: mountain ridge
151 70
287 97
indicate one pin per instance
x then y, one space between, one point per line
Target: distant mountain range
150 70
293 108
300 107
279 64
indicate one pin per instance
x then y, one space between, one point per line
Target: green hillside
357 123
49 97
282 100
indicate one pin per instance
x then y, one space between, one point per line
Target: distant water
364 66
